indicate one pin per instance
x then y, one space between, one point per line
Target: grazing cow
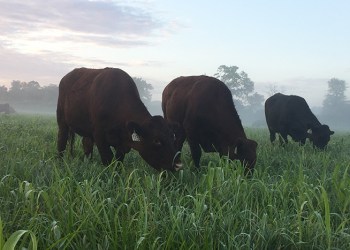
6 108
204 108
104 106
290 115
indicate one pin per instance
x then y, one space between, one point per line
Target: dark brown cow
104 106
204 107
290 115
6 108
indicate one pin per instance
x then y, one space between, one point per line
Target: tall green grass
298 198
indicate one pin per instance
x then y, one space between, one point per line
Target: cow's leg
283 138
272 135
88 146
62 138
179 141
103 147
105 153
71 138
119 154
63 131
196 152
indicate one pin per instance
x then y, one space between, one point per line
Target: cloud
98 17
105 23
46 39
16 66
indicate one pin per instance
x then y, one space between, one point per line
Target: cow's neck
231 130
138 112
312 121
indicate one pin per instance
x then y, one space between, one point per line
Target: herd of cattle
104 107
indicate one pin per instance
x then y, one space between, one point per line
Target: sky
294 47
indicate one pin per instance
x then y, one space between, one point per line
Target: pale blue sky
296 45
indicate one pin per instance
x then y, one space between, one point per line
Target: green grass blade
327 216
16 236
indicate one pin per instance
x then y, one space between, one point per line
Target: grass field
298 198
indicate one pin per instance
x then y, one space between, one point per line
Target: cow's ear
309 133
236 150
177 129
239 144
135 131
331 132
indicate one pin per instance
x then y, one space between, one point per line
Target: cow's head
320 136
245 152
154 140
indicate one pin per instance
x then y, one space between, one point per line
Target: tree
242 88
25 91
255 101
3 94
144 89
336 110
336 94
31 90
50 94
238 82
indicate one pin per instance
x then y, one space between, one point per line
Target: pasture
298 198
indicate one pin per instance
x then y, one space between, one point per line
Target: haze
294 45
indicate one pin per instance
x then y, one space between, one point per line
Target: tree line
30 96
248 102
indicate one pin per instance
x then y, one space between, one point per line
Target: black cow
291 115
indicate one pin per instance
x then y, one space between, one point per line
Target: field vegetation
298 198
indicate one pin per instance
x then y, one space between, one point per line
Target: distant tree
23 91
16 86
336 94
336 110
242 88
255 101
50 94
144 89
3 94
31 90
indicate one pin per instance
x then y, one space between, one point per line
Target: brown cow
204 107
104 106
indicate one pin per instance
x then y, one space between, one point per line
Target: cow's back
273 109
90 95
201 100
175 97
286 109
211 102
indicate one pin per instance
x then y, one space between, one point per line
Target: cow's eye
157 142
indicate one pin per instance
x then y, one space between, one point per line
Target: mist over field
32 98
